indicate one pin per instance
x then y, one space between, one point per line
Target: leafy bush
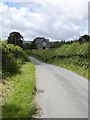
18 53
12 58
74 54
27 51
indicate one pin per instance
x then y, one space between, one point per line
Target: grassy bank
82 71
73 56
18 93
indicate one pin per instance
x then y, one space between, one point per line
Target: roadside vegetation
71 55
18 73
18 93
12 58
18 80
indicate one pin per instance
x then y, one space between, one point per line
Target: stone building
42 43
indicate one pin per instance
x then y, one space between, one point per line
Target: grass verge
20 101
82 71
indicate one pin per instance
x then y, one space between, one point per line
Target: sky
52 19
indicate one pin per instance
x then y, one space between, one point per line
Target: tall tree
83 39
15 38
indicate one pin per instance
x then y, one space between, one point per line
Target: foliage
26 46
18 53
15 38
12 58
74 54
27 51
33 45
56 44
19 103
84 38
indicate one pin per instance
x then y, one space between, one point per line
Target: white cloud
54 19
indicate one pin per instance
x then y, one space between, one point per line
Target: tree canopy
83 39
15 38
33 45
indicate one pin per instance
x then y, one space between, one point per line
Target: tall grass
19 103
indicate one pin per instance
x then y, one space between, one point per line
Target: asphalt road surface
60 92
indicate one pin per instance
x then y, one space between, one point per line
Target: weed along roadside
18 83
19 103
71 56
18 72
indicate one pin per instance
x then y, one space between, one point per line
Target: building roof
39 39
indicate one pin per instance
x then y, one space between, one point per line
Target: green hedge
12 58
74 54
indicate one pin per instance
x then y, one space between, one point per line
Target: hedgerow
74 54
12 58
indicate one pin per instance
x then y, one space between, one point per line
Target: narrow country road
61 93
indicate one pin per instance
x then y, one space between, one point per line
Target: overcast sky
53 19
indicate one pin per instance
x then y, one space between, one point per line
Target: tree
86 38
27 46
83 39
15 38
56 44
33 45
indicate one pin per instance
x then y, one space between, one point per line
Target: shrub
74 54
12 58
27 51
18 53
